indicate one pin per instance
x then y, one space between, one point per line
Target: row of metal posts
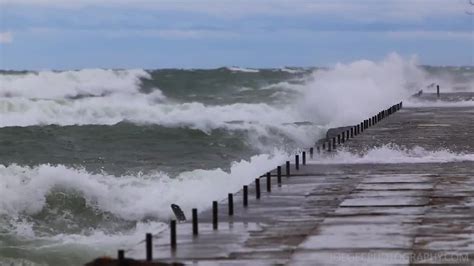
327 145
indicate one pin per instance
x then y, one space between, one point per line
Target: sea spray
342 95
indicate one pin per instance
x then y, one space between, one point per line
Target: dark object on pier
437 90
178 213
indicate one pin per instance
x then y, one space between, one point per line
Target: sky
65 34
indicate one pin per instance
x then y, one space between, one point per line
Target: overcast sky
68 34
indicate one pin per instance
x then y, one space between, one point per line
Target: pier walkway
344 213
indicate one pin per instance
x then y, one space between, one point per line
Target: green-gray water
90 160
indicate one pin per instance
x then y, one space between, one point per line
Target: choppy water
91 159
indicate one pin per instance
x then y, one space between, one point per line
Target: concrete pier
341 213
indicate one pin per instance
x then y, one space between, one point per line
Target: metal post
230 200
195 222
287 169
173 234
246 196
121 255
311 151
215 221
269 182
279 175
297 162
352 132
343 138
257 188
149 247
304 158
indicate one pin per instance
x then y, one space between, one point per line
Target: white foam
59 85
241 69
391 154
349 92
291 70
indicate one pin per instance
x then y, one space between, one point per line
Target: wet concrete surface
352 214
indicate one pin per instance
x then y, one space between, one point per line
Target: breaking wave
54 207
128 197
337 96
